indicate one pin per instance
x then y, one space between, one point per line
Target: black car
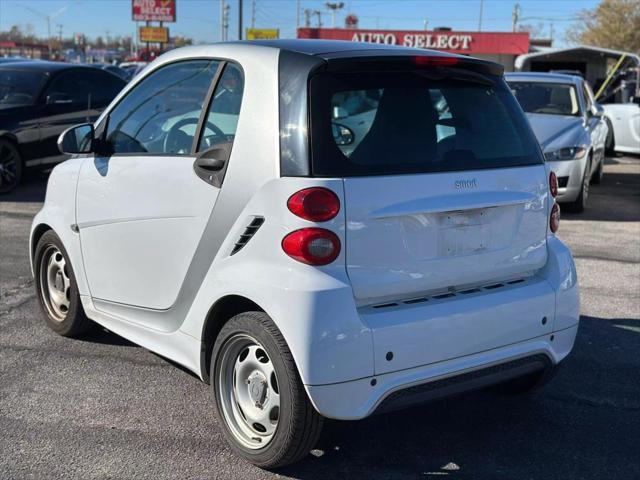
38 101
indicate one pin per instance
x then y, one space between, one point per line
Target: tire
610 142
57 289
528 383
255 382
10 166
599 173
580 203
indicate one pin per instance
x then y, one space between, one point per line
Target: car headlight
567 153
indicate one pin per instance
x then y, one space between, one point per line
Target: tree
612 24
535 30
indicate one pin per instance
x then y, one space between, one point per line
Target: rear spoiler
363 60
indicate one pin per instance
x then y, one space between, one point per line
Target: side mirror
58 98
78 139
342 135
339 112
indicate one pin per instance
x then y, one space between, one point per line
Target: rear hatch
444 183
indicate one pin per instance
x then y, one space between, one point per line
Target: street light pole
239 19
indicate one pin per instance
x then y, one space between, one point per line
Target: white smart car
215 215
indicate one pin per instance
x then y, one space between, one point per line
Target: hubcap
55 285
248 391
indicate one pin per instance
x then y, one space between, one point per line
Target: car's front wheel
57 289
580 203
10 166
259 397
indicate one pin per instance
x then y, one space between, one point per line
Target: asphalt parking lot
101 407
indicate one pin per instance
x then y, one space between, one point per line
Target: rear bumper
359 398
502 333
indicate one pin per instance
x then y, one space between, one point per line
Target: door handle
210 164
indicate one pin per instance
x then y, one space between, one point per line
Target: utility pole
334 6
480 18
59 34
253 13
225 22
319 14
222 20
515 16
239 19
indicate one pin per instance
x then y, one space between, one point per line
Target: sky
200 19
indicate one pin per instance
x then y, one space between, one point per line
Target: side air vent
248 233
445 295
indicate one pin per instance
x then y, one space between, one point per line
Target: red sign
154 10
469 43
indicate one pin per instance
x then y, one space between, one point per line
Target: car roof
339 48
543 77
42 66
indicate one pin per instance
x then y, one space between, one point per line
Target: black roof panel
41 66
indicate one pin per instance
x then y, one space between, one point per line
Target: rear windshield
387 123
549 98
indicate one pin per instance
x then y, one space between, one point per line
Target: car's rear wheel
10 166
259 398
580 203
57 289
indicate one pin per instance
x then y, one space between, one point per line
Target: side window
160 114
103 86
69 87
222 118
588 98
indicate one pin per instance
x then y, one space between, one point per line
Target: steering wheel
177 141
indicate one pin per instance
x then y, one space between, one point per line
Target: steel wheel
10 167
55 284
248 391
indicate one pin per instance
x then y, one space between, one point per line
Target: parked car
132 69
123 74
38 101
214 216
570 127
625 120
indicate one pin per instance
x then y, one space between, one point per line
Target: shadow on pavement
32 189
616 199
584 424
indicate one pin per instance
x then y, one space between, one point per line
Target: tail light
436 61
313 246
553 184
316 204
554 218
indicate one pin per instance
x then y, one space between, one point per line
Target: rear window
377 123
549 98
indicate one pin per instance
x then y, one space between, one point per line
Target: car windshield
406 122
19 86
549 98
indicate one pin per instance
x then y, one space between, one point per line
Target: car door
73 96
142 210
